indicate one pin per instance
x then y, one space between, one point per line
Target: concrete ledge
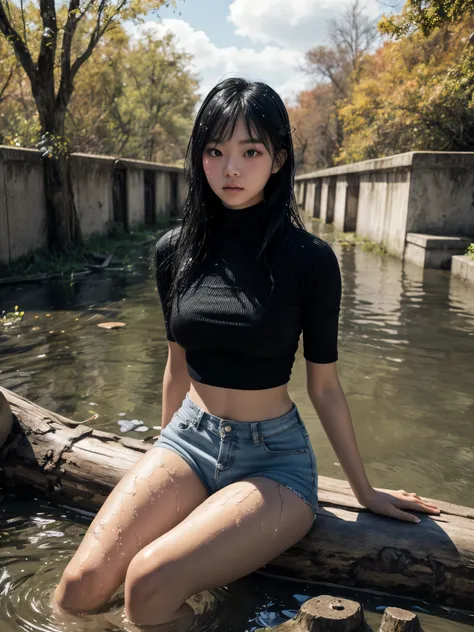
434 251
463 266
411 159
438 241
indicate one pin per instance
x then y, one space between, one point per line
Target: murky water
406 364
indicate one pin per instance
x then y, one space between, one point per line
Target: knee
145 587
81 590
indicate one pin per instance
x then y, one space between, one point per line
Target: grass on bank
470 252
117 241
352 239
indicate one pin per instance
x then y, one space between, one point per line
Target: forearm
335 418
175 386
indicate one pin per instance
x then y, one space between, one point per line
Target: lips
233 188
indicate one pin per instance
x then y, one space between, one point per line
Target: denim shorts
222 451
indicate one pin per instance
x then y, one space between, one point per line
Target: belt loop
199 416
254 431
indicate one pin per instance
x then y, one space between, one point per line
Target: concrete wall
385 199
23 206
92 191
383 208
463 267
22 203
323 208
163 194
135 193
442 194
346 202
310 199
182 188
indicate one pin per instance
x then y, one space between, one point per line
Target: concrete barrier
463 267
384 200
430 251
106 189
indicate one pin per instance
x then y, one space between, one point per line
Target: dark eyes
258 153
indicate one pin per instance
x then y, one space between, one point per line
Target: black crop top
236 332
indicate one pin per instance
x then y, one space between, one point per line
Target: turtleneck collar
245 221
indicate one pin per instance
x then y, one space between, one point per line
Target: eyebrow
247 141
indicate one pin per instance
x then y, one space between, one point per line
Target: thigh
234 532
157 493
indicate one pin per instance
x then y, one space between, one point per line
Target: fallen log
77 465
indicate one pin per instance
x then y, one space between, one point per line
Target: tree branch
49 41
5 85
21 50
97 33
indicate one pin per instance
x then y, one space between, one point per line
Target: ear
279 161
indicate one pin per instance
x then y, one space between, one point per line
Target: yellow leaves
424 17
412 94
11 318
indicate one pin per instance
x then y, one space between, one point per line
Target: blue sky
262 40
208 16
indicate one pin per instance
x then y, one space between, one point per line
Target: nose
231 169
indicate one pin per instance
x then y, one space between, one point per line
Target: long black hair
265 114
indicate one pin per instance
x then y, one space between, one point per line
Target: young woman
232 482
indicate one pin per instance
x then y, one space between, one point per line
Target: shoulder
166 243
311 252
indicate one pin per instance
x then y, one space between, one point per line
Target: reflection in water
406 364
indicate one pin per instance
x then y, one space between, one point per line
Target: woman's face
241 162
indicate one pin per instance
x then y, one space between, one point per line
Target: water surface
406 365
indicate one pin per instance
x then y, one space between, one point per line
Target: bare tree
63 225
354 33
350 36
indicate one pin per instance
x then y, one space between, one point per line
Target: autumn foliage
415 91
133 98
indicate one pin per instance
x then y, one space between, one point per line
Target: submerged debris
126 425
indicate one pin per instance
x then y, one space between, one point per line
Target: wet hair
266 117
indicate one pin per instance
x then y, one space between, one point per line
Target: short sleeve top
240 330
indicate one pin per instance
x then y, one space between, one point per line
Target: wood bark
398 620
63 227
434 560
325 614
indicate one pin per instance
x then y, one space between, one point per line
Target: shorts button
220 466
227 428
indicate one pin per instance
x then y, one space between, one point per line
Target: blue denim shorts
222 451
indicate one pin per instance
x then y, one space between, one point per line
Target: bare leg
157 493
231 534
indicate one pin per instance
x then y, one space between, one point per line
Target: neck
249 220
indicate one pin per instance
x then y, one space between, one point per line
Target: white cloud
275 65
280 32
299 24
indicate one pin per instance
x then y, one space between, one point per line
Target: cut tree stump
77 465
398 620
324 614
332 614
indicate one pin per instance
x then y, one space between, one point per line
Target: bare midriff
241 405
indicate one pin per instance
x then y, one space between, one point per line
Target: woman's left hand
391 504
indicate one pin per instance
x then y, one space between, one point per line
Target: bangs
266 120
222 122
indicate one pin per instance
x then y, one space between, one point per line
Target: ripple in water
34 553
